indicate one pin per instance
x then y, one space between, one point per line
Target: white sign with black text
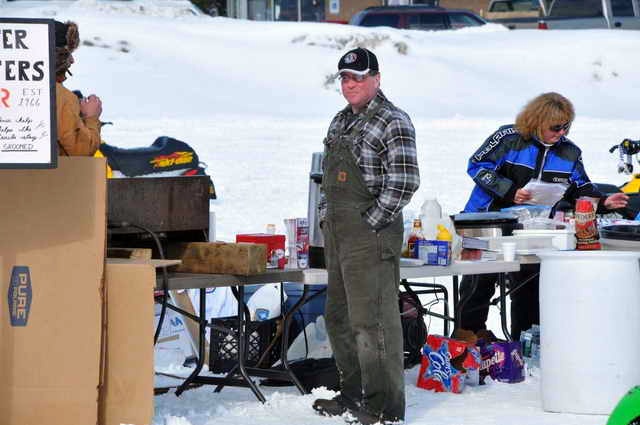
27 94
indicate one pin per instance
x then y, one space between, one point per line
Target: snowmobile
166 157
627 150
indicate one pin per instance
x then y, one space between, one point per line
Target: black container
487 224
316 241
620 237
223 346
623 232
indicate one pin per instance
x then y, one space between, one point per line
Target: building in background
477 6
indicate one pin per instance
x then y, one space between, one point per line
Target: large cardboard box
52 243
127 394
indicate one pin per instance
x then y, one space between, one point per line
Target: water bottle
525 340
535 354
321 329
430 214
535 345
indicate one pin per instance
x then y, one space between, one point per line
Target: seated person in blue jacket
535 147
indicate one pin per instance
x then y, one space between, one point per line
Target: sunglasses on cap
347 76
560 127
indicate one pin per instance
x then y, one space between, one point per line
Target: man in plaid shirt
370 173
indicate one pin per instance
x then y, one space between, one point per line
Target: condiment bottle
445 235
415 235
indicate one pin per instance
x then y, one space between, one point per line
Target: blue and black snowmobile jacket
506 162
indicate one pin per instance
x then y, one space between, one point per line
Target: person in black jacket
535 147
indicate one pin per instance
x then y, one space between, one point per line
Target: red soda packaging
446 363
587 237
274 243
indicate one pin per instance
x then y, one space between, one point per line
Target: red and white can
587 237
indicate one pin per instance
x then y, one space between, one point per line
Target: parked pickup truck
565 14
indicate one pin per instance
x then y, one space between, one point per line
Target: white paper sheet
545 193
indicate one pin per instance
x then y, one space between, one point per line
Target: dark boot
363 417
333 407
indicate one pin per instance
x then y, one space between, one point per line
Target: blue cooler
309 311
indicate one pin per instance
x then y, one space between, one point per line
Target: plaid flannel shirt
385 152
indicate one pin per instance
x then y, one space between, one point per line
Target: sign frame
52 161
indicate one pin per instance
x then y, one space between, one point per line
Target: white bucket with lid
589 329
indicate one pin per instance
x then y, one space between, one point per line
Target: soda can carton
465 357
433 252
502 361
456 347
441 367
437 373
275 258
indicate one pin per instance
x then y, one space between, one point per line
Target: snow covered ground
254 99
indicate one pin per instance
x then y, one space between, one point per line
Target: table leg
227 377
456 300
240 367
446 312
202 328
503 305
242 320
459 306
286 324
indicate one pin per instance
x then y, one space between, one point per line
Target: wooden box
218 257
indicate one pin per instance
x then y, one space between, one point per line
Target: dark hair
67 41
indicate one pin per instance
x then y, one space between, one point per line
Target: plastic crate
223 346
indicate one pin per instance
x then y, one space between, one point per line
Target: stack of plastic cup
290 226
509 251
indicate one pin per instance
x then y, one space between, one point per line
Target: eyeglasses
347 76
559 127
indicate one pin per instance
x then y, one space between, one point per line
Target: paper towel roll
212 226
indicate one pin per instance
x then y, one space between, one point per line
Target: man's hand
615 201
522 196
91 107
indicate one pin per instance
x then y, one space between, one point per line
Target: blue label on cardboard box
19 296
433 252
